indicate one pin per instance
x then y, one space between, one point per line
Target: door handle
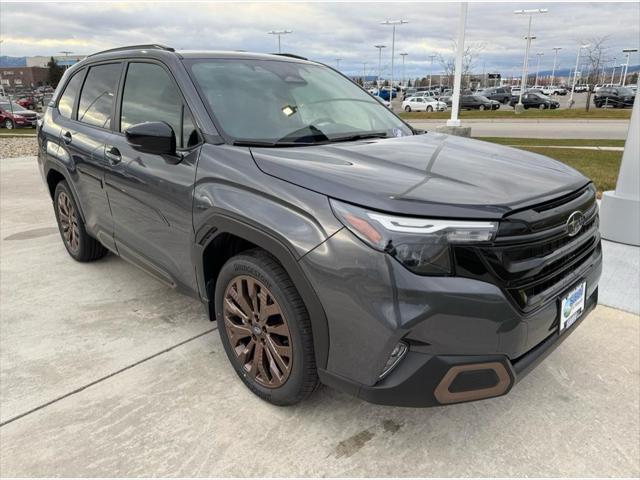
66 137
112 154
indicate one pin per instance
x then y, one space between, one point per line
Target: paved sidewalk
124 377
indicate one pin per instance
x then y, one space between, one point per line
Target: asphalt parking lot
106 372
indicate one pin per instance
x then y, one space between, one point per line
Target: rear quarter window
68 97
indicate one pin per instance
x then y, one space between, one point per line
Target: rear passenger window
98 94
150 95
68 97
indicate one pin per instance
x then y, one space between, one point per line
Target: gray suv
330 241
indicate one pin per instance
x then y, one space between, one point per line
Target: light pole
431 57
457 79
539 55
628 51
364 72
403 55
575 74
66 58
613 71
525 64
393 23
379 47
338 63
555 61
279 33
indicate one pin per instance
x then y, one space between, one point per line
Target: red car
12 115
27 102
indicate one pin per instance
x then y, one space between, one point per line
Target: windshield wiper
266 143
359 136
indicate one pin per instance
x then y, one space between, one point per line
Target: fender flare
59 168
218 224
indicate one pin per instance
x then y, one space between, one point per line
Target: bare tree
596 55
469 57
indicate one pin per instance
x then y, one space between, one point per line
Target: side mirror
152 137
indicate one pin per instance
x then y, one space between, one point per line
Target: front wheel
542 106
429 108
265 328
481 107
407 108
8 124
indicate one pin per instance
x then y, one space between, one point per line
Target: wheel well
53 178
221 249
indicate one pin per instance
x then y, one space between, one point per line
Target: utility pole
539 55
457 79
379 47
555 61
279 33
431 57
525 65
393 23
628 51
338 63
403 55
575 74
364 72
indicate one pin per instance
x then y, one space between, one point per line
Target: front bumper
372 302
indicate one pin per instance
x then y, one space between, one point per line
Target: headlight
420 244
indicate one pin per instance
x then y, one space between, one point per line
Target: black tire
542 106
407 108
85 248
8 124
302 378
481 107
429 108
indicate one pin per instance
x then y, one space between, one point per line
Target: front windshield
271 101
13 106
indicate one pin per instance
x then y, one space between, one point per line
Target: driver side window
150 95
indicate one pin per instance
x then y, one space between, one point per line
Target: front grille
535 259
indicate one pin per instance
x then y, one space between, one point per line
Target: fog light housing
397 353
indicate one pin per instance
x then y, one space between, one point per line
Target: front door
151 196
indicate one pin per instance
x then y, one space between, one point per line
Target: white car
423 104
553 90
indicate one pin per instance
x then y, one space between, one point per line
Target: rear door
150 195
82 138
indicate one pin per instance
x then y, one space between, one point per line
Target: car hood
430 175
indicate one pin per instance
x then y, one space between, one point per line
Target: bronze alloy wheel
68 222
258 332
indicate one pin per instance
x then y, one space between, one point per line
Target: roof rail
151 46
291 55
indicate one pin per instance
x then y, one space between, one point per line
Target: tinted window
150 95
65 104
98 93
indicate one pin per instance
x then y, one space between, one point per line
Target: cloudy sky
322 31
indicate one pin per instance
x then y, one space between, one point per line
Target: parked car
499 94
13 115
475 102
28 102
617 97
329 240
423 104
384 102
536 100
384 93
553 90
409 92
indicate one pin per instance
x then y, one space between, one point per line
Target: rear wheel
80 245
265 328
8 124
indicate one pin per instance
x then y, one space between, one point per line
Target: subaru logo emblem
574 223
